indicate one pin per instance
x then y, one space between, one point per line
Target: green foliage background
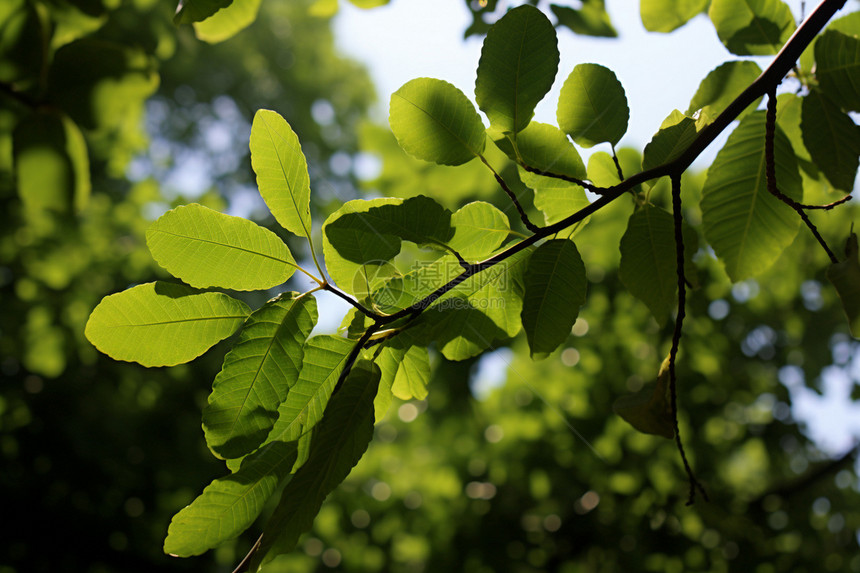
537 475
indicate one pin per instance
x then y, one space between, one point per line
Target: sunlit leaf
479 229
837 66
435 121
747 226
649 263
845 276
196 10
227 22
674 137
51 163
555 287
324 359
257 374
163 324
230 504
831 137
547 149
206 248
518 64
668 15
282 172
721 86
752 27
590 19
649 409
341 439
592 107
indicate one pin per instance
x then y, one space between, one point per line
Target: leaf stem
523 216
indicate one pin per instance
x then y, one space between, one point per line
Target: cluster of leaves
288 407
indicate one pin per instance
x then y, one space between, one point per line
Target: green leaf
832 139
721 86
479 229
324 358
555 287
590 19
257 374
413 374
163 324
649 266
752 27
649 409
667 15
747 226
788 117
592 107
229 505
227 22
196 10
341 439
837 67
674 137
51 163
546 148
282 172
845 276
206 248
22 46
519 60
434 121
360 264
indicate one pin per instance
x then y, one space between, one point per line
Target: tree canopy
655 323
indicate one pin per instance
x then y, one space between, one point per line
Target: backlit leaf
649 409
590 19
519 60
479 229
435 121
747 226
837 67
668 15
227 22
197 10
230 504
206 248
845 276
257 374
282 172
752 27
163 324
721 86
832 139
592 107
555 287
341 439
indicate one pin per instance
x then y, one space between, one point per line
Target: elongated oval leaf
229 505
752 27
721 86
519 60
257 374
667 15
592 107
163 324
832 139
555 286
434 121
837 61
282 172
206 248
747 226
342 438
845 276
227 22
649 263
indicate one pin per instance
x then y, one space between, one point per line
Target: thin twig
361 308
582 183
676 336
523 216
770 175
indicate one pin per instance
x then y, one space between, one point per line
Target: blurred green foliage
121 110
